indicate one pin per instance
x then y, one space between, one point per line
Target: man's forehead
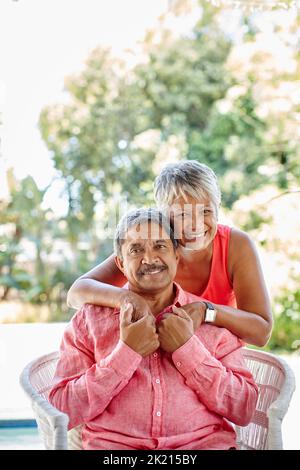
141 241
146 231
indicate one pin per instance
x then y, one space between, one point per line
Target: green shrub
286 330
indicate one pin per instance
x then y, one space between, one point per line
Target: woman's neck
198 256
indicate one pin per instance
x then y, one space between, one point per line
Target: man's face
149 260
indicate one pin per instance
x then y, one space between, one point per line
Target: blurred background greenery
228 98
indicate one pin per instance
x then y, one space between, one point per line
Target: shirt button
154 354
178 364
157 381
158 413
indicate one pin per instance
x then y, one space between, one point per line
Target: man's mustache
151 268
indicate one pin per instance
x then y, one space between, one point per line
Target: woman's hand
196 312
140 306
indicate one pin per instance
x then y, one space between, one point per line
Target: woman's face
195 222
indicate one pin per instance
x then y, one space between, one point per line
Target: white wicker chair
272 374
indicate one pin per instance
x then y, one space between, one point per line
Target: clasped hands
144 336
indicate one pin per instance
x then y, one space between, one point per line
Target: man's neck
157 301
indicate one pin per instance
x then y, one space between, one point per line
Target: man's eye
135 250
161 246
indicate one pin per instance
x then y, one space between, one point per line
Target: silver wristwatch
210 313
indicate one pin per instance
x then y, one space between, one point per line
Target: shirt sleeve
83 388
222 381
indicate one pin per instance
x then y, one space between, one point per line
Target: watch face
210 315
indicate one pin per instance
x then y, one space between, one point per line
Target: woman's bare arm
100 286
252 319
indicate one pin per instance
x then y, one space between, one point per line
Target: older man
162 382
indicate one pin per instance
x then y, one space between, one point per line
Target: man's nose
149 257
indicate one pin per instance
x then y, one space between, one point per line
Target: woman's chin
194 244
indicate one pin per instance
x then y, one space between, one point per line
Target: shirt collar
179 300
180 297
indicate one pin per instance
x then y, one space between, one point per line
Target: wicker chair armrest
52 423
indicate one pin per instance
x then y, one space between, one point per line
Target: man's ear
119 263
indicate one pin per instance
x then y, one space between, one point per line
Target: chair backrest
276 383
42 372
273 376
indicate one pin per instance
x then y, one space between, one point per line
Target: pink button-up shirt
179 400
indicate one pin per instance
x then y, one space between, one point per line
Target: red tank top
219 289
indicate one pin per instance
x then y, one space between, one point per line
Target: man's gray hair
186 177
136 217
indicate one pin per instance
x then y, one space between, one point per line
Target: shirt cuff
122 359
189 355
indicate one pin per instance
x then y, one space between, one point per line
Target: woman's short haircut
137 217
186 177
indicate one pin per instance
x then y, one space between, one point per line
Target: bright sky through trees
41 43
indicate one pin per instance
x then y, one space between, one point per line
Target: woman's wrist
209 312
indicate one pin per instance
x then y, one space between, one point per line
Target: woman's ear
177 255
119 263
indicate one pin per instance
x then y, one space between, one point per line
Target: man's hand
140 307
141 335
196 311
175 330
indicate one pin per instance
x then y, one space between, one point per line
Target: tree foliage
200 95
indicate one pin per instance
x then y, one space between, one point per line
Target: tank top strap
219 288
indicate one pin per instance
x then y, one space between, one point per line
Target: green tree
256 63
25 219
98 139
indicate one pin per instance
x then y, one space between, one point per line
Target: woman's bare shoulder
241 247
239 236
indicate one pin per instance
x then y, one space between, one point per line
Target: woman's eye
161 246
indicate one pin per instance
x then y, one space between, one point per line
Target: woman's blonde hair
186 177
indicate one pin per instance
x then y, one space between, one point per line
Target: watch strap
208 305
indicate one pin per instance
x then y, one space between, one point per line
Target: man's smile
152 271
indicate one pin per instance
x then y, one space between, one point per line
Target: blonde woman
217 263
